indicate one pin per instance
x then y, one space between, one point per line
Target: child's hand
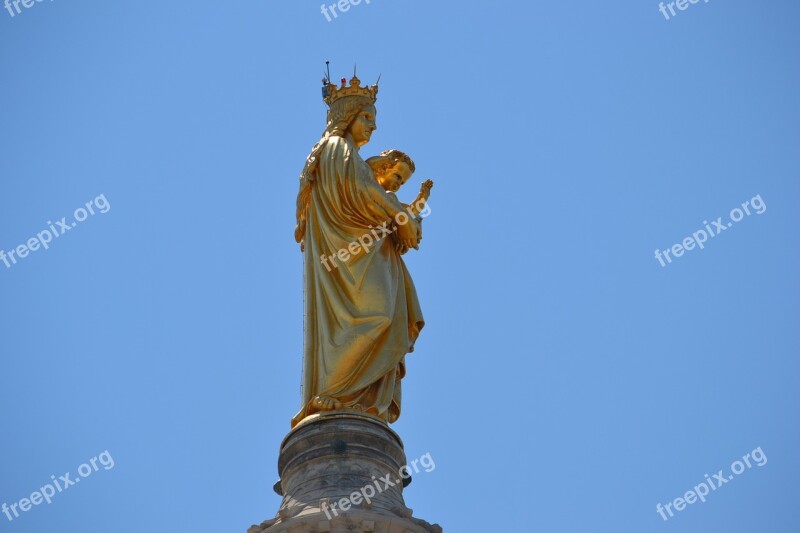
425 188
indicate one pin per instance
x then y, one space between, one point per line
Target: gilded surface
362 315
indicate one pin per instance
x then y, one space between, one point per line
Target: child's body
392 170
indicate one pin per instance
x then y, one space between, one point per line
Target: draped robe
362 314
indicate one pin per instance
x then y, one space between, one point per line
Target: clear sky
566 381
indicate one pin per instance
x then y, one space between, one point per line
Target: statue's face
363 125
395 176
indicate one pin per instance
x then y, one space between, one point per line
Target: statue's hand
399 246
425 188
409 234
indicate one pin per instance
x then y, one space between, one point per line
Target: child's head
392 169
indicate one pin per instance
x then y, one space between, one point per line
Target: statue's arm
389 204
408 234
418 205
422 199
367 193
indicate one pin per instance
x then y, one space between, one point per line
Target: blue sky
565 380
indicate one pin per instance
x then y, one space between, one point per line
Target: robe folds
362 314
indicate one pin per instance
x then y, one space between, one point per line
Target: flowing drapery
362 314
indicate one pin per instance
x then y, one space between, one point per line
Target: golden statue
362 314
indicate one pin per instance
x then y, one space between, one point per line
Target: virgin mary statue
361 309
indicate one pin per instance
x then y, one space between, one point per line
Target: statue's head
362 125
392 169
352 109
351 112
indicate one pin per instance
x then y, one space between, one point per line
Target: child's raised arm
424 193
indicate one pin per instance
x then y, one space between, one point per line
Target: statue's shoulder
337 140
336 144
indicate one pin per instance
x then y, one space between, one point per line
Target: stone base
333 470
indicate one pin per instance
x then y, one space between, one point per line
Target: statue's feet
326 403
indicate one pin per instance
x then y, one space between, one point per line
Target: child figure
392 170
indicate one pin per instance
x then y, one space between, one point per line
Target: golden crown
331 93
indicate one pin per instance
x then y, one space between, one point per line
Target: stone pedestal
333 470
